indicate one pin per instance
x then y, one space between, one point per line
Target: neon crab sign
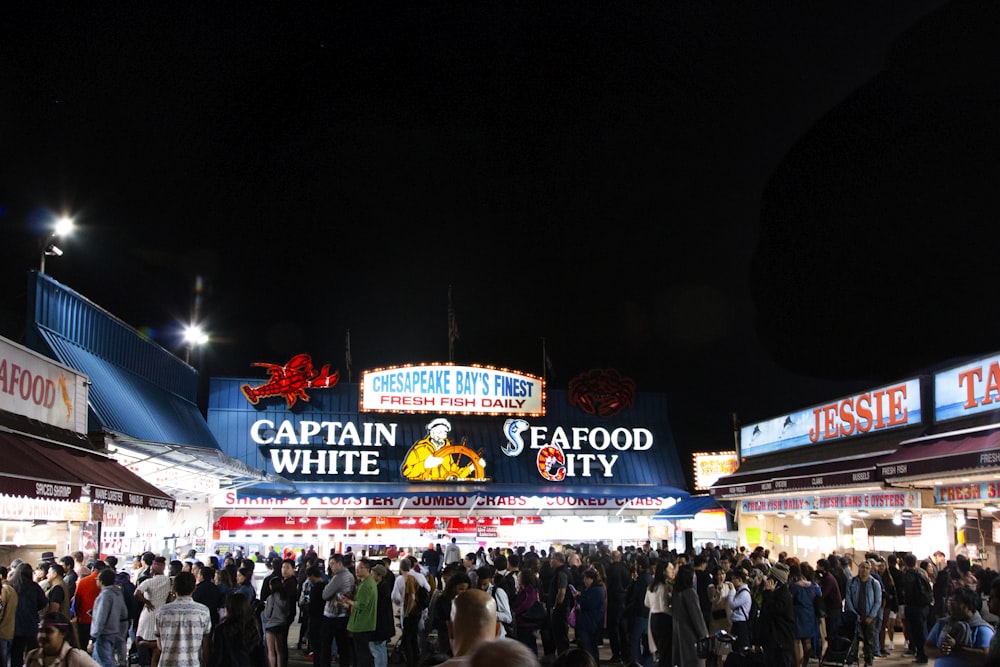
291 380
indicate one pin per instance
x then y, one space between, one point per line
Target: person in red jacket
84 599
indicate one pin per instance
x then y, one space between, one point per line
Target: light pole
64 226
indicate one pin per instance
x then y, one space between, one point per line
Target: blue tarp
687 508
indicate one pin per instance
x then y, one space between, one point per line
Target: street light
194 336
64 226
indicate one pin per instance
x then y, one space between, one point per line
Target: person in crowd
236 640
109 618
277 608
385 623
224 580
688 624
575 657
364 610
315 581
720 616
452 552
525 598
559 605
83 600
183 627
58 594
888 573
455 583
617 581
776 625
57 644
657 600
484 577
151 594
208 593
637 614
740 602
864 598
244 583
833 601
805 593
410 620
962 638
69 574
473 622
405 570
503 653
30 603
993 603
336 612
590 615
8 613
431 560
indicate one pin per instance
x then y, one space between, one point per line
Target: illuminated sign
891 407
325 450
968 492
448 389
708 468
888 500
36 387
290 380
968 389
483 502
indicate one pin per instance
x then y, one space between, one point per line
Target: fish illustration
512 430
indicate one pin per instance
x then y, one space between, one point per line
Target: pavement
297 658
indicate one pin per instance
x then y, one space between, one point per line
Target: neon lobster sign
291 380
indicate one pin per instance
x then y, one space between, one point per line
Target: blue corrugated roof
655 472
687 508
138 389
130 405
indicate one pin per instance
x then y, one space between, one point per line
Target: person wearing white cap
422 462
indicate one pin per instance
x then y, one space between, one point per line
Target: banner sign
889 500
969 389
709 468
311 524
891 407
36 387
447 389
777 505
232 499
968 492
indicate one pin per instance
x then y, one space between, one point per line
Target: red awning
940 455
48 470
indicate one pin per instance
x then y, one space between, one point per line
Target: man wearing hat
776 624
422 462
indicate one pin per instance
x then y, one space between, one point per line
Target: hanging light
897 519
85 494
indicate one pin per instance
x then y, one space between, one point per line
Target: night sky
753 207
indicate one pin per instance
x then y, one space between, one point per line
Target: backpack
506 582
423 598
509 628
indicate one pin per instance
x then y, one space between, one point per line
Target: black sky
693 193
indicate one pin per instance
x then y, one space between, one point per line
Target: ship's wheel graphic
462 457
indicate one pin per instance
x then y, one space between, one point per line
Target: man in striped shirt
183 627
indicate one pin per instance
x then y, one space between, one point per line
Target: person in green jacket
361 623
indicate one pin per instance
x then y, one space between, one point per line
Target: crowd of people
651 607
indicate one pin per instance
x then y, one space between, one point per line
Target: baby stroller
841 648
